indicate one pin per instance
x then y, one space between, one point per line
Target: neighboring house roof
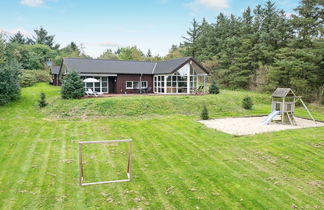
282 92
85 65
55 69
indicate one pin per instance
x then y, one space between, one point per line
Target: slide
270 117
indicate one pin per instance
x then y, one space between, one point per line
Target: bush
42 101
30 77
9 82
204 113
72 86
27 80
247 102
213 89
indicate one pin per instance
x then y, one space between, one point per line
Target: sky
110 24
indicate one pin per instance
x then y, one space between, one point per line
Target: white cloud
110 44
11 32
211 4
32 3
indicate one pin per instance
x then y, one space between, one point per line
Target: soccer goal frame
129 164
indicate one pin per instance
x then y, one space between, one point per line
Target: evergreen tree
72 87
213 89
18 38
204 113
42 37
191 41
247 102
149 54
308 23
42 101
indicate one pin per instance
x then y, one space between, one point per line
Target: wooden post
301 100
283 111
80 163
129 165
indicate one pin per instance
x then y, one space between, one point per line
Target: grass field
177 162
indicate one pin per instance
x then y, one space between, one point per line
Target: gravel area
252 125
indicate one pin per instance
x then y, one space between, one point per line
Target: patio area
138 94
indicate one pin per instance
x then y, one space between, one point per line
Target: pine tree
42 37
213 89
204 113
149 54
191 41
42 101
18 38
247 102
72 87
309 22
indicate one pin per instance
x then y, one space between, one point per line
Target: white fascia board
98 75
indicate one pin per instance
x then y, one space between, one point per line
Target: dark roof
282 92
85 65
169 66
55 69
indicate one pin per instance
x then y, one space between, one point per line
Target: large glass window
185 80
101 86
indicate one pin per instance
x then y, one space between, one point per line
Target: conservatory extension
188 79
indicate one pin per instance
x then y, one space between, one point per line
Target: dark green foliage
247 102
9 81
191 42
213 89
264 48
72 87
30 77
204 113
18 38
42 101
42 37
27 80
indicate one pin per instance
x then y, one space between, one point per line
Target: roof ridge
101 59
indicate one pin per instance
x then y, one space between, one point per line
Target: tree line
262 49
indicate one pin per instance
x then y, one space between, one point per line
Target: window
129 85
136 84
185 80
144 84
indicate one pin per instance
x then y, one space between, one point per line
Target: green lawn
177 162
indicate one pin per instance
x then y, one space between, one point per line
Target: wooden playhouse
283 105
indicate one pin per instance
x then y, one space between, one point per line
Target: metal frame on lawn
129 165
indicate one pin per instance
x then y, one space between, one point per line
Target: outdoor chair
200 89
148 90
89 92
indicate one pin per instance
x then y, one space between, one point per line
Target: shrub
9 82
72 86
42 101
247 102
27 80
204 113
213 89
30 77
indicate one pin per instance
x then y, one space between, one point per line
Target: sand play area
252 125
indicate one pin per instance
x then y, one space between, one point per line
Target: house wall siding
122 78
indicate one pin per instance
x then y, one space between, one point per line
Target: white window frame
146 84
140 83
132 85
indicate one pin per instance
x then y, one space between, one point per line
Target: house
54 70
178 76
